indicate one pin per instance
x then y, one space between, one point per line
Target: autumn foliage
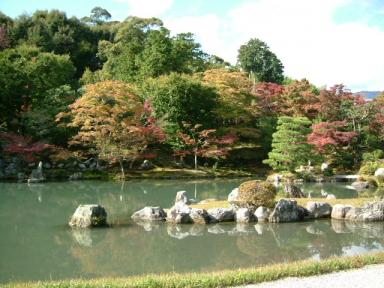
22 146
112 121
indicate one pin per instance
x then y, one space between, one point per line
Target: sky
325 41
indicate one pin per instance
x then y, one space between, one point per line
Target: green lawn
221 278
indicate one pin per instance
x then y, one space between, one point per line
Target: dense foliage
122 91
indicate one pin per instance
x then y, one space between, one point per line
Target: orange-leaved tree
112 120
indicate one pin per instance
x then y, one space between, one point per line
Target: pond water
37 244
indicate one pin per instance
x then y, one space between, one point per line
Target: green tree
256 58
52 31
180 98
289 145
26 76
143 48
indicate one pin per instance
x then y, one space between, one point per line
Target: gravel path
367 277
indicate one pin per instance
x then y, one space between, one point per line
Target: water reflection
36 243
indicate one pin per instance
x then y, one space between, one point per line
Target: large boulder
88 216
262 214
255 193
181 197
373 211
319 209
379 172
287 210
222 214
150 214
245 215
179 214
340 210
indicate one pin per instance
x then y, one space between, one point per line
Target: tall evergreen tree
289 145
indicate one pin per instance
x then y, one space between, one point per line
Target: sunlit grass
225 278
357 202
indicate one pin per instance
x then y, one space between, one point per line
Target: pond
37 244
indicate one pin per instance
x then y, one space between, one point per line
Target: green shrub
369 167
373 156
257 193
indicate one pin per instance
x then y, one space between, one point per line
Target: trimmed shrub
257 193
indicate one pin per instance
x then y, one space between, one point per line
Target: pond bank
221 278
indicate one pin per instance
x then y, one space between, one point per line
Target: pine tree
289 145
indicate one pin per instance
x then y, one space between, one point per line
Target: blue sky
325 41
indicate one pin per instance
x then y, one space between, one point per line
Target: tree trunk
122 169
195 161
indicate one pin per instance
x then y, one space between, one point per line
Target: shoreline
225 278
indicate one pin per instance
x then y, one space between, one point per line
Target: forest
125 92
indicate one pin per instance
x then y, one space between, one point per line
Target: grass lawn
221 278
357 202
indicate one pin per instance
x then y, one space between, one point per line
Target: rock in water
150 214
37 174
319 209
222 214
88 216
244 215
262 214
373 211
200 216
340 210
179 214
287 210
181 197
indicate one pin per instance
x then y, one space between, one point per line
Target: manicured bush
257 193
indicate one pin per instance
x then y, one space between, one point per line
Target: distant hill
368 94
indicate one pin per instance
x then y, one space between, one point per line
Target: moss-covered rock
256 193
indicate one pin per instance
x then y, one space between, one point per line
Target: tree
204 143
143 48
52 31
289 145
269 97
39 121
4 39
179 98
99 15
331 102
109 119
300 99
331 140
24 147
256 58
27 75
